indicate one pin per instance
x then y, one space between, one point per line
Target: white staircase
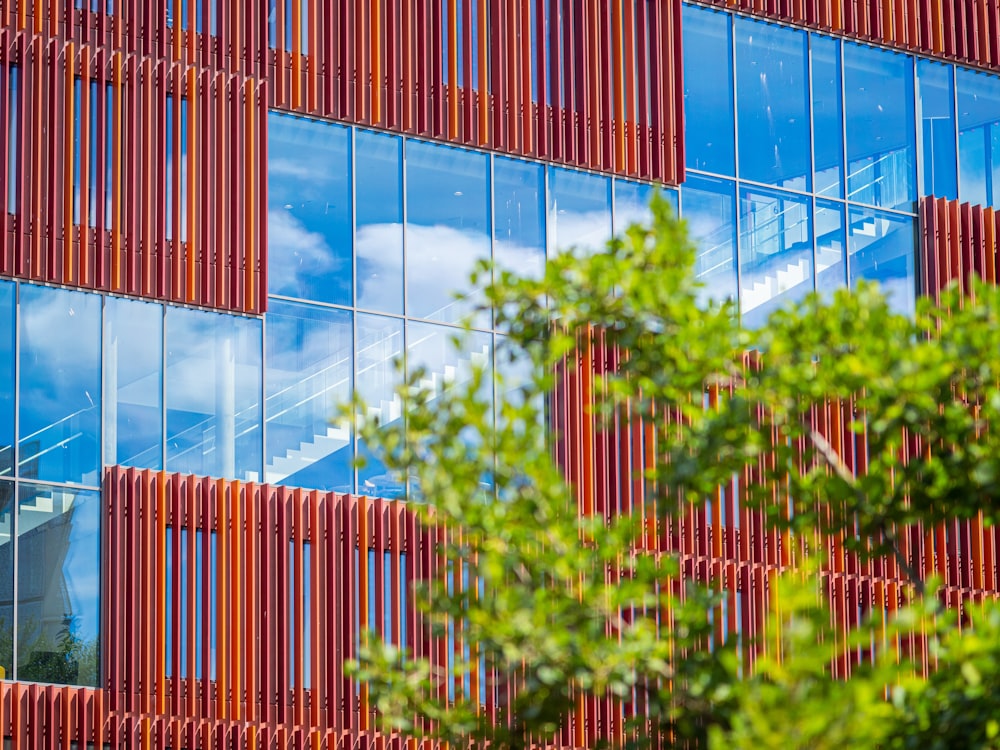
775 284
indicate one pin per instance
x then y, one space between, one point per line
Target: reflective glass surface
7 511
828 116
309 354
58 585
309 209
8 292
579 210
772 87
445 365
213 379
447 227
60 378
133 383
378 240
708 205
979 137
519 215
831 246
936 103
709 137
881 146
632 203
881 247
379 343
776 253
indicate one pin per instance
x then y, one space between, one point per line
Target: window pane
632 203
776 263
828 116
831 247
708 205
447 228
309 209
937 129
213 394
979 137
379 176
773 104
708 91
379 345
7 578
8 292
880 127
60 399
882 247
448 365
309 357
133 383
58 585
579 210
519 213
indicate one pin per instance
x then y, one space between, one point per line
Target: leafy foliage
563 607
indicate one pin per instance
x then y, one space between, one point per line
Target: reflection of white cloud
627 214
63 358
440 261
295 252
308 378
379 250
513 256
299 169
588 230
207 360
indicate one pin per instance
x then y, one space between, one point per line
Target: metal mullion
263 399
845 187
736 167
406 281
354 295
954 113
15 472
163 387
918 169
812 156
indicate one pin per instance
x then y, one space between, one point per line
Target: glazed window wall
803 159
373 239
89 380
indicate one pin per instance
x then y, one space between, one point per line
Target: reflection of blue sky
379 221
579 210
133 368
302 263
708 207
440 261
60 382
309 209
880 125
380 267
773 104
708 90
7 290
447 226
881 248
979 137
82 569
213 383
309 366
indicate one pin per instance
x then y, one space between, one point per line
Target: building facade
223 219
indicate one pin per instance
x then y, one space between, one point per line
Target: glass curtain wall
810 127
422 215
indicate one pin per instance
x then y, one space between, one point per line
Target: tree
562 607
